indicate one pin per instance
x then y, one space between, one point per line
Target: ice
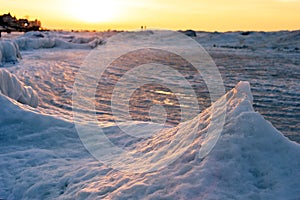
15 89
280 40
83 40
43 158
38 40
9 51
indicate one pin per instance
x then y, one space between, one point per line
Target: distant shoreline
136 30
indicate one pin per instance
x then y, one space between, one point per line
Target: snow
38 40
273 73
281 40
15 89
9 51
43 158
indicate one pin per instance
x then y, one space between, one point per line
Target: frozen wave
15 89
251 159
9 51
38 40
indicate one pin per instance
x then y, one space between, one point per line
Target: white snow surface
9 51
38 40
43 158
288 41
12 87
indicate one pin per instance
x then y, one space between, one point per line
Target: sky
208 15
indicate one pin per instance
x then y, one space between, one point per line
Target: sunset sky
210 15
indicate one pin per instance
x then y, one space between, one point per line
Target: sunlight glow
92 11
209 15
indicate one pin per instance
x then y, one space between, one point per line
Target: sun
92 11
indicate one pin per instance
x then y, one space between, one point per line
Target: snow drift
13 88
43 158
38 40
9 51
280 40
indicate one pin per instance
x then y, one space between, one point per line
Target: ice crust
9 51
15 89
39 40
43 158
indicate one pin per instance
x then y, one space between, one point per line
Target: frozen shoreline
42 156
49 161
270 71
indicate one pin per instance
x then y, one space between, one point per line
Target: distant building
7 19
9 23
35 25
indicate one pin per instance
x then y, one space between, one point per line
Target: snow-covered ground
42 156
288 41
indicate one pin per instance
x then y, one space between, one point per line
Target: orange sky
210 15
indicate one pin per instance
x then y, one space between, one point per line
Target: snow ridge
9 51
38 40
15 89
250 160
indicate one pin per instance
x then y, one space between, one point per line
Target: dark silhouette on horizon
10 24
